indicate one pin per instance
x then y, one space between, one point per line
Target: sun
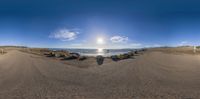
100 41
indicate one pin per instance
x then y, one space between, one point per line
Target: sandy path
150 76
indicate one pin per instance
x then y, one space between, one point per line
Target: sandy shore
153 75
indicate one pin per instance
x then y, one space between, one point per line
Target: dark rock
81 58
114 58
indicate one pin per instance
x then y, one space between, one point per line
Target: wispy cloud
64 34
183 43
119 39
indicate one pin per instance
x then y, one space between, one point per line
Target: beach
154 74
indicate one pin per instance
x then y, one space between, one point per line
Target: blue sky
81 23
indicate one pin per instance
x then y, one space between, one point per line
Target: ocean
95 52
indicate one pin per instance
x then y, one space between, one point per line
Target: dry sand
153 75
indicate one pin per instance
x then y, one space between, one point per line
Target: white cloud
119 39
64 35
183 43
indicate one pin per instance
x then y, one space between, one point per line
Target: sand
153 75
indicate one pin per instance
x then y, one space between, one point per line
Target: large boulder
51 54
120 57
60 54
69 57
136 52
115 58
81 58
57 55
130 53
126 56
77 55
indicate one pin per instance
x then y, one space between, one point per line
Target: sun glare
99 50
100 41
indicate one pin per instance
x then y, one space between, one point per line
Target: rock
126 56
114 58
75 54
120 57
130 53
51 54
57 55
70 57
136 52
81 58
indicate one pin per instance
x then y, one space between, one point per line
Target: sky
99 23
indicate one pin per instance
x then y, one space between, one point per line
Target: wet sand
153 75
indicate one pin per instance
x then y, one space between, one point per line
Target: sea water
96 52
